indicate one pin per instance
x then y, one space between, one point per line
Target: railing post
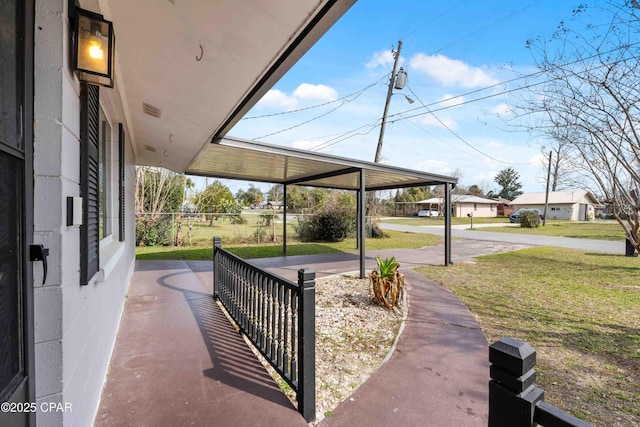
216 245
512 393
306 345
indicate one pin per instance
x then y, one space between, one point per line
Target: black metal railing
277 315
514 400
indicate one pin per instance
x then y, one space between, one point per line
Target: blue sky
450 49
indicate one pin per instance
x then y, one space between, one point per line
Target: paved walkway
178 360
524 239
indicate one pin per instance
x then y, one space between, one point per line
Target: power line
461 138
431 20
312 106
505 92
488 26
346 135
314 118
437 138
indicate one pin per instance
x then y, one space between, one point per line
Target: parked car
515 217
431 213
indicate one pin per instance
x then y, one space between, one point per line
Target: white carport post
284 220
361 222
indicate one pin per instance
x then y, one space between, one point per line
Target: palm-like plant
387 283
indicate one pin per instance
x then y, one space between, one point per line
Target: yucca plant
387 283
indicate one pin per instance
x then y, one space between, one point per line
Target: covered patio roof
235 158
247 160
187 71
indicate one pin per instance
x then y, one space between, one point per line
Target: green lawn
579 311
599 230
204 249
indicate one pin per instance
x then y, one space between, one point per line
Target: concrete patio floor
178 361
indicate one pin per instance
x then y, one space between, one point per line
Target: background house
575 205
463 205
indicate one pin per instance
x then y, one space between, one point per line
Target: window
101 186
104 178
475 206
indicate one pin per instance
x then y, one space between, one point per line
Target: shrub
332 223
529 219
153 230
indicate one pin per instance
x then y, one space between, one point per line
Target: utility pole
396 55
546 196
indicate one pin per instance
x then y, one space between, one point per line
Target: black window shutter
89 181
121 140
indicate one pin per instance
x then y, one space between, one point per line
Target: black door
16 212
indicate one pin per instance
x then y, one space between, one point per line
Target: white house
464 205
575 205
183 74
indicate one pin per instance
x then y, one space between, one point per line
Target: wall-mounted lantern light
93 48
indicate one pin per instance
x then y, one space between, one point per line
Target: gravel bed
353 337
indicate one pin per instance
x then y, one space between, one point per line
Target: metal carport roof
235 158
247 160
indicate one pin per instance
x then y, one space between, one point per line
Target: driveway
603 246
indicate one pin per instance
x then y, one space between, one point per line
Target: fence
277 315
195 229
514 400
187 229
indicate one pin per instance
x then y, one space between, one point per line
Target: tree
589 98
565 174
253 196
475 190
275 193
507 179
216 198
158 191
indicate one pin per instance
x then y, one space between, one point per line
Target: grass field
599 230
579 311
203 249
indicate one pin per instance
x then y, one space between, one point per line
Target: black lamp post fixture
93 48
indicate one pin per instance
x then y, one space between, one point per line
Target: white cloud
430 120
305 92
278 99
537 159
495 145
502 109
451 72
319 92
434 166
382 58
447 101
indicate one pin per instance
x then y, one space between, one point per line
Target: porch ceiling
201 65
256 161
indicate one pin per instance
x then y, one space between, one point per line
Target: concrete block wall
75 326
